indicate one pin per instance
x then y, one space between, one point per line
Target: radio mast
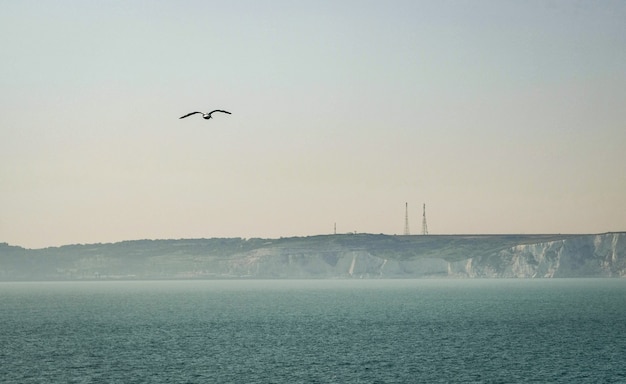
424 225
406 219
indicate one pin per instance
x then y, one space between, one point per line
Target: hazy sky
501 116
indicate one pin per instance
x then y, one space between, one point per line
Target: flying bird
205 116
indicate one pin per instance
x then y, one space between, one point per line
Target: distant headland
340 256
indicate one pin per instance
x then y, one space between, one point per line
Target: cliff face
322 257
277 263
576 256
582 256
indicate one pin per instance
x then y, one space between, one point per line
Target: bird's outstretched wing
189 114
218 110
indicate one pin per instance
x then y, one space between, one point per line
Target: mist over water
288 331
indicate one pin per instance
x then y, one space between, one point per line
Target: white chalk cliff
327 257
584 256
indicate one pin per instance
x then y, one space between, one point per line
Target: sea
314 331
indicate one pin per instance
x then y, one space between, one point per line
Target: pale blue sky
501 116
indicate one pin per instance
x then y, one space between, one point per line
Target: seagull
205 116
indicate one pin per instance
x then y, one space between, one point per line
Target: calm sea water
371 331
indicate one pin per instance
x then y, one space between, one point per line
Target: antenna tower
406 219
424 225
